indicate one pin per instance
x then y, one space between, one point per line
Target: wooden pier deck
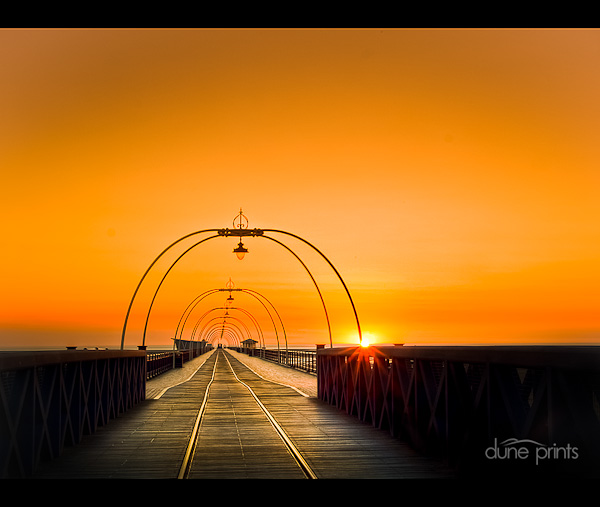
235 439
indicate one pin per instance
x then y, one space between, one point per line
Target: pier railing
508 410
299 359
49 400
161 361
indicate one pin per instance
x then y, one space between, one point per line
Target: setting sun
368 339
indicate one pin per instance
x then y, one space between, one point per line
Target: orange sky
451 176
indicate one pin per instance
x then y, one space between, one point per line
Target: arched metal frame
253 319
165 275
314 282
226 233
200 297
224 326
195 301
245 312
208 326
253 294
332 267
163 279
223 331
195 330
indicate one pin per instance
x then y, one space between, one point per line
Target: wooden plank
236 440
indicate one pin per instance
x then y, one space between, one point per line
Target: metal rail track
190 451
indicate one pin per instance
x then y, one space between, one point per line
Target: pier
390 412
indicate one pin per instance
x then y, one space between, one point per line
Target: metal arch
274 309
195 302
199 298
230 327
163 279
254 321
314 282
222 331
254 293
221 318
208 326
195 330
240 232
230 289
227 340
220 327
148 270
332 267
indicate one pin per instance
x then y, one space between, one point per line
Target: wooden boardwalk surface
235 439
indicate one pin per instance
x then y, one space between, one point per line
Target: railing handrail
582 357
11 360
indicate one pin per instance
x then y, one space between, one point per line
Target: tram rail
190 452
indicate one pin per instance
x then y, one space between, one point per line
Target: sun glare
367 339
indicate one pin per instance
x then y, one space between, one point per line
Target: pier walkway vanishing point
222 416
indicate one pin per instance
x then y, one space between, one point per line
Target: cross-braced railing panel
457 401
51 400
